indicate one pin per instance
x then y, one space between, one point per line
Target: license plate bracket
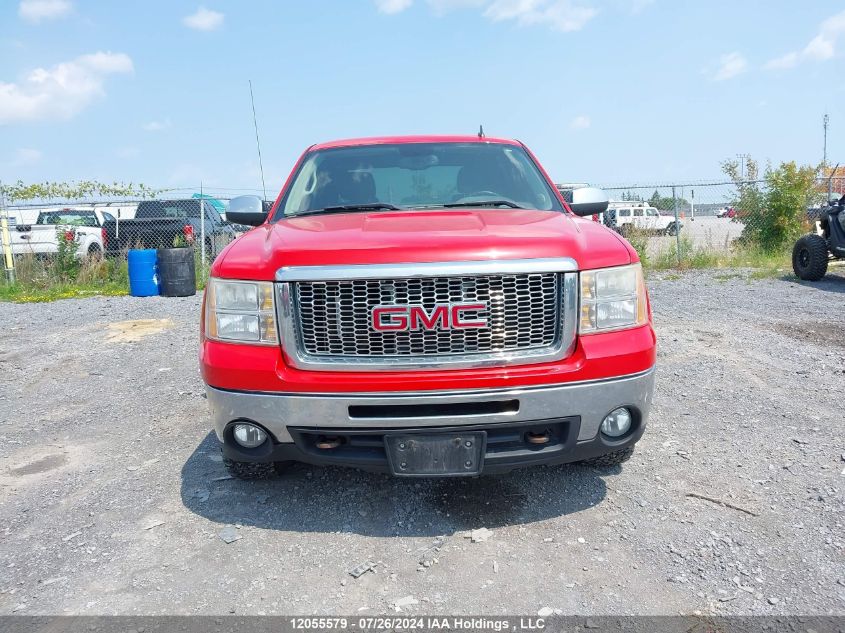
436 454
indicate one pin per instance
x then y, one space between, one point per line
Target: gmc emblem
444 316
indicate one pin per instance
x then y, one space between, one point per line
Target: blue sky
608 91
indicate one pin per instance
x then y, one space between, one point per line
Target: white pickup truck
41 238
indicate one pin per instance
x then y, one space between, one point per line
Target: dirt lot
113 497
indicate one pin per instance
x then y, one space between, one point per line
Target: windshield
72 218
418 175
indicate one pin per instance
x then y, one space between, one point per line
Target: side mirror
247 210
588 201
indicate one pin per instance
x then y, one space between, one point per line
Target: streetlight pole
826 120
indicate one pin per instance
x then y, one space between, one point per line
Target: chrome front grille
529 314
335 317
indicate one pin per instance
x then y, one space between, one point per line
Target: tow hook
537 438
327 443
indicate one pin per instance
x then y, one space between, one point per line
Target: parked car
84 226
161 223
629 215
425 306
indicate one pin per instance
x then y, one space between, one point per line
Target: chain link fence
671 224
68 240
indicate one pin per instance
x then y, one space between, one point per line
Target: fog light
617 422
249 435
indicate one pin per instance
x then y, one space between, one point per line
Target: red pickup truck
425 306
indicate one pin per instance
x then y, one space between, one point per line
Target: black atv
812 251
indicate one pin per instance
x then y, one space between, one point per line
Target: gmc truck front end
425 307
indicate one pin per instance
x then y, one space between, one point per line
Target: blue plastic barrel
143 272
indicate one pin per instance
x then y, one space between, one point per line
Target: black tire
610 459
95 252
809 257
672 229
249 470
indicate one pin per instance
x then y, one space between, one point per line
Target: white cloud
204 20
157 126
26 156
37 10
821 48
731 65
790 60
580 123
62 91
393 6
561 15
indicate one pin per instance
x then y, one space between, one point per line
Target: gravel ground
113 497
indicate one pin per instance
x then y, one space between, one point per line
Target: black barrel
177 273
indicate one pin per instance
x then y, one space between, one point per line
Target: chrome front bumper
591 401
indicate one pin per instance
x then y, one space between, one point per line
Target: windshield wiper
370 206
485 203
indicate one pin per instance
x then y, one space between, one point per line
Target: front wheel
809 257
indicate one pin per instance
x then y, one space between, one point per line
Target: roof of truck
385 140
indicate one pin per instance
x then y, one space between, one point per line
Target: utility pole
742 158
826 120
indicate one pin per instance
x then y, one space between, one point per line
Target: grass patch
771 273
689 256
22 293
40 279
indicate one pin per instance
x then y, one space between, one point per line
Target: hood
420 236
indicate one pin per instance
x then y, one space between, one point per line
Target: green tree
74 190
667 203
628 196
774 211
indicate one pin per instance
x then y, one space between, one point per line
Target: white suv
638 215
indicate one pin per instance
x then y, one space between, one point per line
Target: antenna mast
257 142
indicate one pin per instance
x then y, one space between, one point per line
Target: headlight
612 299
241 311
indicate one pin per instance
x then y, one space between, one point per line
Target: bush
639 240
66 264
776 215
